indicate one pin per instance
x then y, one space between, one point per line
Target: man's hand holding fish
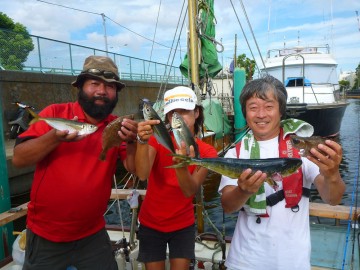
327 155
128 130
67 136
328 164
249 183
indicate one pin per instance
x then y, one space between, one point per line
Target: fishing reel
123 249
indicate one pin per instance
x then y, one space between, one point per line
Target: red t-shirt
71 186
165 208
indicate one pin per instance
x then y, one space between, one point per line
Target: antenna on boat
105 35
268 37
357 16
298 37
284 42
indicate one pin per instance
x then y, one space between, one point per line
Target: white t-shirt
280 242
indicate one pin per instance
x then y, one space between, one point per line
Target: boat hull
325 118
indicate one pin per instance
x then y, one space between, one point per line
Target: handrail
303 70
54 56
340 212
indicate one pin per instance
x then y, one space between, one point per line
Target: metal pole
193 46
105 35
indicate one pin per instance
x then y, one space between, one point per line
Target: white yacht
310 77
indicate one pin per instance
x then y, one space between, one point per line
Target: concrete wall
40 90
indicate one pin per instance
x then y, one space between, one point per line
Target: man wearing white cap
167 213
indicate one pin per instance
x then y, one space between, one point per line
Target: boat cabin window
294 82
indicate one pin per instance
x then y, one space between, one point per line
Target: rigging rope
152 46
242 30
252 32
162 89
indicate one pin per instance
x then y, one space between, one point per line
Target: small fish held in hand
160 131
304 144
65 124
183 134
110 136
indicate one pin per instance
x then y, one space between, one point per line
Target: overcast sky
131 24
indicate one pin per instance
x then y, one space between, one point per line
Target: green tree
247 64
15 43
344 85
357 79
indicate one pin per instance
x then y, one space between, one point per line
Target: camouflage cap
99 67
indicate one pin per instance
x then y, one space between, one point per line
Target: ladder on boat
226 103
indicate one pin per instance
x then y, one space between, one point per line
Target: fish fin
179 165
35 116
34 120
271 182
185 161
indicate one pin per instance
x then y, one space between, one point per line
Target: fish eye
296 141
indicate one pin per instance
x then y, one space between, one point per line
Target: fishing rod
353 201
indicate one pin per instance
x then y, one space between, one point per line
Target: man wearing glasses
71 186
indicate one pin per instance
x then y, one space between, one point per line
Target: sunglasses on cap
97 72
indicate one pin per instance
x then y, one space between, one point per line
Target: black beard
99 112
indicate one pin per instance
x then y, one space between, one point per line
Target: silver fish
233 167
183 134
64 124
160 131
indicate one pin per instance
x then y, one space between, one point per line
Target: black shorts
153 244
91 253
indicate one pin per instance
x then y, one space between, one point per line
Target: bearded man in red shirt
71 186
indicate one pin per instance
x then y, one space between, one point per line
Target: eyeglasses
97 72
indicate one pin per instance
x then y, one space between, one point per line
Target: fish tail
35 116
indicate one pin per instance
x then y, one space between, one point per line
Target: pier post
6 230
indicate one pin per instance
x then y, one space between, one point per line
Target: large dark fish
183 134
233 167
110 136
304 144
64 124
160 131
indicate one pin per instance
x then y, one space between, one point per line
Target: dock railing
21 51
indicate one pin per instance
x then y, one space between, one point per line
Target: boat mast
193 42
194 73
